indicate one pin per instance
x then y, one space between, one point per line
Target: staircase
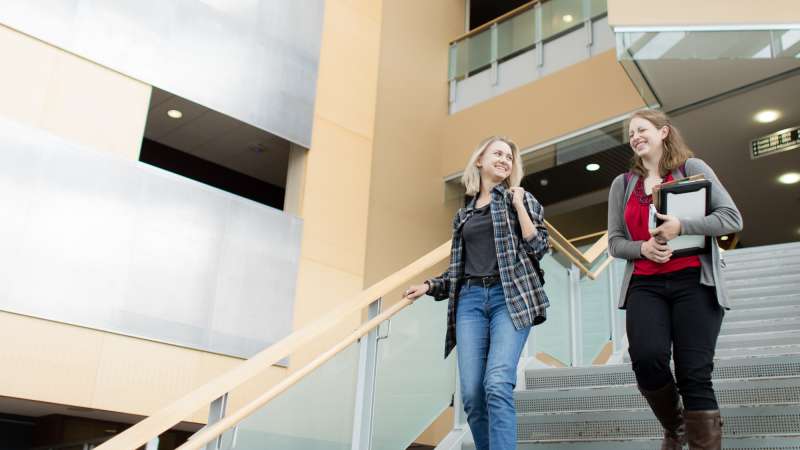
756 376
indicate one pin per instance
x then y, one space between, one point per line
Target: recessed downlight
593 167
767 116
543 182
568 18
174 113
789 178
723 238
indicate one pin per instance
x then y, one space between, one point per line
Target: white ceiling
720 132
678 83
218 138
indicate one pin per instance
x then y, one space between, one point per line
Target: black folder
686 199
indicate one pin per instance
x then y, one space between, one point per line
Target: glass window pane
597 7
516 34
462 59
414 383
560 15
595 310
479 49
316 413
552 337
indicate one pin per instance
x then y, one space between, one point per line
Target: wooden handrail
597 249
588 236
140 433
210 432
487 25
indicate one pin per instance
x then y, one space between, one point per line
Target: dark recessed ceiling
571 179
482 11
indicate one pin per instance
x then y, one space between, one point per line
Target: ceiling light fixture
789 178
593 167
723 238
767 116
568 18
543 181
174 113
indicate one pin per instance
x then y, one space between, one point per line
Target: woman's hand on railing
416 291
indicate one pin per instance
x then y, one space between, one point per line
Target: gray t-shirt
479 252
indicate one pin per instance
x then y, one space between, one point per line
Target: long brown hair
675 153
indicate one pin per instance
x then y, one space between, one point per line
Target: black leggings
675 310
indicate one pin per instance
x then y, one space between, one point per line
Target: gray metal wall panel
93 240
255 60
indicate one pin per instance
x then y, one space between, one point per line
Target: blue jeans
488 351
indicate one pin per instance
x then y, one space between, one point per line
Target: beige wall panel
346 90
324 287
96 106
70 96
47 361
336 198
27 72
576 97
408 216
706 12
141 374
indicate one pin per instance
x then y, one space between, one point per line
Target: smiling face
496 162
645 139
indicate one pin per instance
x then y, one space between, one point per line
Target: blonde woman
674 304
494 288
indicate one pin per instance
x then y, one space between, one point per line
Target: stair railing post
365 385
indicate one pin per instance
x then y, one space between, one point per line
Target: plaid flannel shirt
525 297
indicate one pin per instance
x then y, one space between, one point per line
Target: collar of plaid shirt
525 297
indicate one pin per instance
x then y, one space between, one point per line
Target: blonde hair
472 174
675 153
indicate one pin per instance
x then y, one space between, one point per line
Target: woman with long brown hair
674 304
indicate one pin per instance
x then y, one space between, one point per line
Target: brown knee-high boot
704 429
666 405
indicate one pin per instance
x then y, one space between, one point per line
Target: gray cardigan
724 219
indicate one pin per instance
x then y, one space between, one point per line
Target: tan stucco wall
706 12
407 214
581 95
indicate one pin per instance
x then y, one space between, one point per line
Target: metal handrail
144 431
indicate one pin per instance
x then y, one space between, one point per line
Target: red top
637 213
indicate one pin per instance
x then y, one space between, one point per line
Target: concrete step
763 302
773 350
732 368
730 393
765 251
766 263
775 442
771 312
767 269
757 326
759 339
737 284
763 291
753 421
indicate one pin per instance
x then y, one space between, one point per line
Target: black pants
674 310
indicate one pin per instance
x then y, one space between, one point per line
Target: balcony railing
518 31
